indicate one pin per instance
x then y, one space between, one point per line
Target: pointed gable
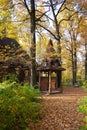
50 47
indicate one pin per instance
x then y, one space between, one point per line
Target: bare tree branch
46 15
69 18
48 31
25 3
60 7
41 15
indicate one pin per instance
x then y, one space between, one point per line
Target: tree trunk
33 44
74 72
74 64
85 61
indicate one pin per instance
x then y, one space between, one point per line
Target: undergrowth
19 105
83 107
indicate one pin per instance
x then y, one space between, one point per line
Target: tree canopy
33 21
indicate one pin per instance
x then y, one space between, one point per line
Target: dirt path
60 111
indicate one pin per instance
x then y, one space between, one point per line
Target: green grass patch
83 106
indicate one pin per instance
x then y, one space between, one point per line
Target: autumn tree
83 29
73 41
7 27
33 17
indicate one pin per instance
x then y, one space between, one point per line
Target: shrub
83 106
11 77
19 105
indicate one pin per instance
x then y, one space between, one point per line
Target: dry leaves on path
59 111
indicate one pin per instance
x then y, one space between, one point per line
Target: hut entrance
49 82
44 81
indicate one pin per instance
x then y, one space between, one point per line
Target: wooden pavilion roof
50 68
50 62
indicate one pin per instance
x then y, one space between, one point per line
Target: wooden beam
39 80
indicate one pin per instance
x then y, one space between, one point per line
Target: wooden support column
39 80
49 78
61 87
56 80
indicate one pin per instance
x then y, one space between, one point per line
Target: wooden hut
50 71
13 59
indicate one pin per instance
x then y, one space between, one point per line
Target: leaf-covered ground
59 111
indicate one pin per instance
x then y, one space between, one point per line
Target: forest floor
59 111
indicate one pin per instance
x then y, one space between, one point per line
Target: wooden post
56 80
39 80
49 81
61 87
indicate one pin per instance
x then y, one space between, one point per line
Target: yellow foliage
7 27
